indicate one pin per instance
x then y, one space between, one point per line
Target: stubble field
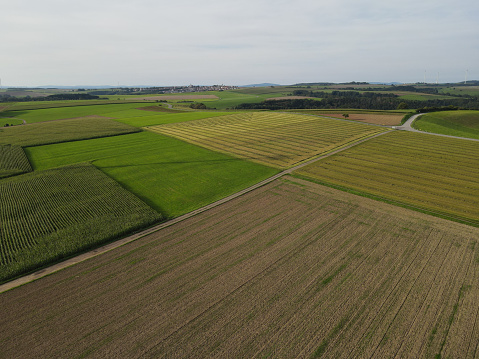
277 139
293 269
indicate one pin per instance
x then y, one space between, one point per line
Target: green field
13 161
170 175
10 122
271 138
454 123
49 215
152 118
433 174
63 131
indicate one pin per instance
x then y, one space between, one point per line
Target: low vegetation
430 173
63 131
454 123
291 270
13 161
49 215
276 139
172 176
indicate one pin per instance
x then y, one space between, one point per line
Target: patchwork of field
13 161
63 131
454 123
293 269
431 173
164 118
276 139
172 176
48 215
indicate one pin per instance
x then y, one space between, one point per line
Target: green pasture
48 215
454 123
172 176
460 90
9 122
62 131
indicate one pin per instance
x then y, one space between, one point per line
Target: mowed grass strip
432 173
52 214
172 176
63 131
13 161
277 139
454 123
290 270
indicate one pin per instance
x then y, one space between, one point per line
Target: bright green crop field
10 122
170 175
13 161
454 123
62 131
433 174
48 215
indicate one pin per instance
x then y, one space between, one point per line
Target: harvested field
63 131
13 161
435 174
178 97
271 138
386 120
293 269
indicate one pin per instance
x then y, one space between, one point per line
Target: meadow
172 176
49 215
13 161
63 131
454 123
275 139
429 173
292 270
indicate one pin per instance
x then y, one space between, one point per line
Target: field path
407 126
106 248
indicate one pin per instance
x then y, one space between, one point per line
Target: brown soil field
292 269
387 120
178 97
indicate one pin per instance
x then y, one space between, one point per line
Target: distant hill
261 85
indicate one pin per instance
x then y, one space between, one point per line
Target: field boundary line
115 244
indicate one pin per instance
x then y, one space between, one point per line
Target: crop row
432 173
273 138
13 161
49 214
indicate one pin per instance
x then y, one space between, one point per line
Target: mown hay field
455 123
431 173
292 269
63 131
48 215
172 176
13 161
275 139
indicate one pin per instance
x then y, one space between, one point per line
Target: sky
165 43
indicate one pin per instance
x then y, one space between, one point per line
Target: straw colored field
432 173
172 176
277 139
13 161
63 131
387 120
291 270
48 215
455 123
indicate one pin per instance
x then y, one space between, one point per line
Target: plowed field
293 269
276 139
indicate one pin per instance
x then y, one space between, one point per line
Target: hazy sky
159 42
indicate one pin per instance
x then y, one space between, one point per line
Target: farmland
455 123
275 139
63 131
13 161
430 173
48 215
292 270
172 176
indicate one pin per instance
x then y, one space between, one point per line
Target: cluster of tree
56 97
351 99
198 106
